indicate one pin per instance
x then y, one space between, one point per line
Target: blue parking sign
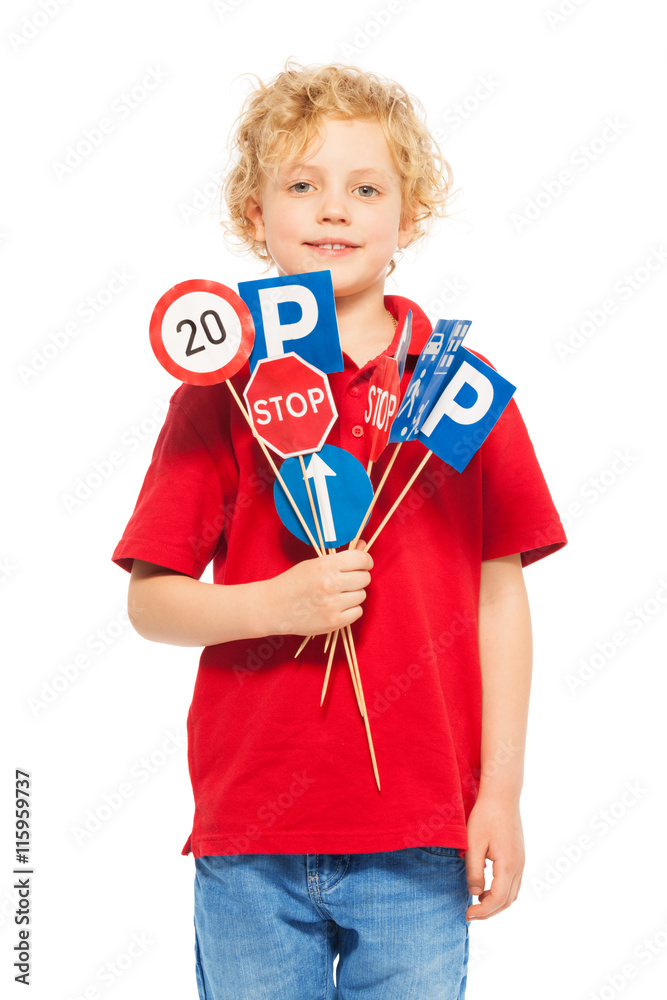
464 414
296 312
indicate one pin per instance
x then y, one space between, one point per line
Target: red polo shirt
271 771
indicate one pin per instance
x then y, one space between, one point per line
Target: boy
298 856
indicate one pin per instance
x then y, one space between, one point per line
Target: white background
141 204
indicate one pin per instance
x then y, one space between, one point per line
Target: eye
300 186
367 190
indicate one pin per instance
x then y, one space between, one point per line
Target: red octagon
290 404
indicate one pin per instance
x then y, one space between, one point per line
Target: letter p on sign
447 404
296 312
277 333
462 417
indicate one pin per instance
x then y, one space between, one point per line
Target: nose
334 207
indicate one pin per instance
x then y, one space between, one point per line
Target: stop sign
290 404
383 394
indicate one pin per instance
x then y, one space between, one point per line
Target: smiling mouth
333 246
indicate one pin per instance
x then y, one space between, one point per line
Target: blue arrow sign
296 312
341 492
464 414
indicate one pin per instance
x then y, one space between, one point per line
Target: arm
313 597
505 648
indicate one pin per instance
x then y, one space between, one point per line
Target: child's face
349 193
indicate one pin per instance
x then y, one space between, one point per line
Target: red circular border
239 307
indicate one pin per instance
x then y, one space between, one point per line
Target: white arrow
318 470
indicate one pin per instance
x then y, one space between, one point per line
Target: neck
366 328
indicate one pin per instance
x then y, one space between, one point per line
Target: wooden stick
401 495
331 656
364 713
353 674
312 503
319 535
305 640
350 662
353 655
275 468
386 472
353 543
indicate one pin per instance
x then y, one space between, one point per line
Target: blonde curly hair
279 120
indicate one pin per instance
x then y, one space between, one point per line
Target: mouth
333 248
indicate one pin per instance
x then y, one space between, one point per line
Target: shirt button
355 390
358 431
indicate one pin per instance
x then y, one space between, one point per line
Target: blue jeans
269 926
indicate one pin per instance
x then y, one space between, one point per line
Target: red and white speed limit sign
201 332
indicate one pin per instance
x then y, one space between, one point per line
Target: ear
253 212
406 231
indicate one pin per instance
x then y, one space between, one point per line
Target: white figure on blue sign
341 490
295 312
411 394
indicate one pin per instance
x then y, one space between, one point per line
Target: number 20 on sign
201 332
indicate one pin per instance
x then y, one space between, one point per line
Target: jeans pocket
446 852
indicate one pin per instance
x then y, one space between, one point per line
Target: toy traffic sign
383 396
419 395
341 489
201 332
403 344
296 312
465 412
290 404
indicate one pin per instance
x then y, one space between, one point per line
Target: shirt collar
399 307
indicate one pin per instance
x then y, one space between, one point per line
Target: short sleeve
178 518
519 514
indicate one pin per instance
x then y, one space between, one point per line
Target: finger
355 580
351 599
355 559
515 884
475 864
494 899
349 617
514 889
